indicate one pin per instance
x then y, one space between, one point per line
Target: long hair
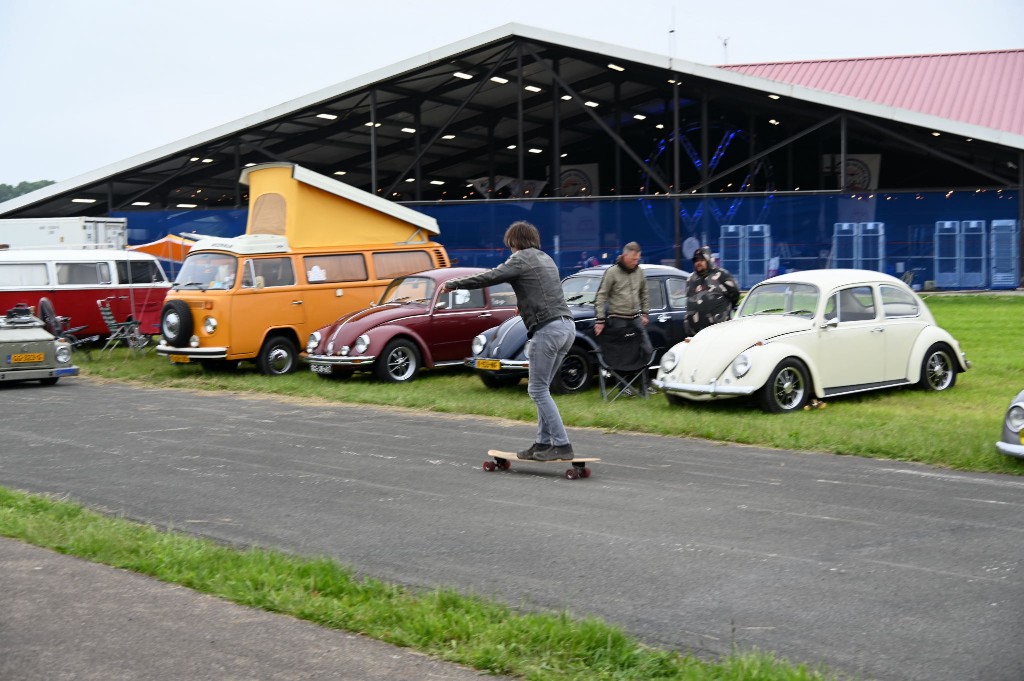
521 235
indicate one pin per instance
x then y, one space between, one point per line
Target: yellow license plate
489 364
179 359
27 357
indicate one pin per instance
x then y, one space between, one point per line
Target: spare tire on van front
176 323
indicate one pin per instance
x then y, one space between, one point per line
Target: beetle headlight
668 362
740 366
313 343
63 353
479 343
1015 418
209 325
361 344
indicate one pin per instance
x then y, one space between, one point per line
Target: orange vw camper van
314 249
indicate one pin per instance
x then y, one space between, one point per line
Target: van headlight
63 353
669 361
740 366
479 343
194 341
361 344
313 343
209 325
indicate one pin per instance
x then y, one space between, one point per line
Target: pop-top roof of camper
313 211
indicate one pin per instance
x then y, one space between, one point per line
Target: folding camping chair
126 332
623 363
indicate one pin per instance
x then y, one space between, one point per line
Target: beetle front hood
715 347
349 327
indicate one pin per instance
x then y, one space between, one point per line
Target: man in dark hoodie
711 293
623 298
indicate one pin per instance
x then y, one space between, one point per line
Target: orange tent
171 247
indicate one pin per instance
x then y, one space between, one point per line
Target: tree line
8 192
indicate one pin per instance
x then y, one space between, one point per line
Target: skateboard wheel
584 472
572 474
504 464
489 465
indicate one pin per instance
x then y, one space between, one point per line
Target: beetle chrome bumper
712 389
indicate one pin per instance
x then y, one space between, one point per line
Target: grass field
956 429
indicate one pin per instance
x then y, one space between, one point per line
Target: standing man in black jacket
549 323
711 293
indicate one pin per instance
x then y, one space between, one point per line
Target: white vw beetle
811 335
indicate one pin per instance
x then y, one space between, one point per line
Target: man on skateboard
534 278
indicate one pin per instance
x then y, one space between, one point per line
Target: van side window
273 272
268 214
391 265
24 274
335 268
83 273
139 272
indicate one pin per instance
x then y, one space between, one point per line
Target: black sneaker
532 452
555 453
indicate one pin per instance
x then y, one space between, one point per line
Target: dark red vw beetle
415 324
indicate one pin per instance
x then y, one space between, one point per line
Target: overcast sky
87 83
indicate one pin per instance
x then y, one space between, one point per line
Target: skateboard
503 461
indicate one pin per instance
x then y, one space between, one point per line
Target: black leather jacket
534 277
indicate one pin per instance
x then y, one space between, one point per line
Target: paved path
879 569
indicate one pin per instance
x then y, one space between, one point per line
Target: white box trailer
74 232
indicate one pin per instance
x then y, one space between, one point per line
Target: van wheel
278 356
576 373
176 323
49 317
399 363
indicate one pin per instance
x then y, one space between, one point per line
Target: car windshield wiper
800 312
191 283
573 299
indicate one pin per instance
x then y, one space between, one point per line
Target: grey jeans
548 348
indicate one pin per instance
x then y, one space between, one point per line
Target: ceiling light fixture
640 117
462 75
186 205
616 67
592 105
438 182
499 80
140 203
535 150
773 97
447 137
83 200
532 88
327 116
409 130
340 172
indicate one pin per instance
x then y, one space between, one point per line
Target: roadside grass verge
468 630
956 429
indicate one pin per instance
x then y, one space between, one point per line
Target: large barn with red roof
912 165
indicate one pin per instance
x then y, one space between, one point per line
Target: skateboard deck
503 461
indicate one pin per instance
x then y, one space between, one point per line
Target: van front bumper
186 355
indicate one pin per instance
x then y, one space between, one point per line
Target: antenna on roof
672 37
725 49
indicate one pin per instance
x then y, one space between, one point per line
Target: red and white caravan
74 279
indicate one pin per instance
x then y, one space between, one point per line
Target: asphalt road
878 569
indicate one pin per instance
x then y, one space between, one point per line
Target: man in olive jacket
623 298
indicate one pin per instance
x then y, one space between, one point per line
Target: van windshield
207 271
